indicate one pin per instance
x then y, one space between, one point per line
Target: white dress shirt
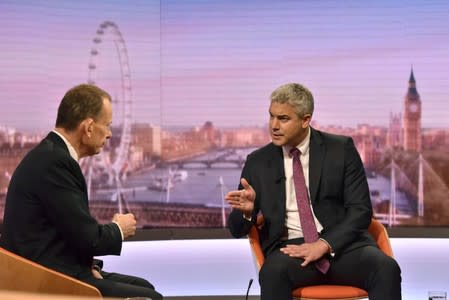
292 220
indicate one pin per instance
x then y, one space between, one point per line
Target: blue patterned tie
305 212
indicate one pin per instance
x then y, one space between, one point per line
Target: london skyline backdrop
197 61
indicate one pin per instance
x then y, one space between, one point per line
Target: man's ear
87 126
306 120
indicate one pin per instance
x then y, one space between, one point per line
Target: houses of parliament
405 132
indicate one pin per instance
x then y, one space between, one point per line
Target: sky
197 61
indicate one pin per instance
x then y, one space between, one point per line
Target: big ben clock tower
412 117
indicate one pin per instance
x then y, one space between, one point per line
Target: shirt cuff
97 268
331 251
248 219
121 232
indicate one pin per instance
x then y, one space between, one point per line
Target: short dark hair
79 103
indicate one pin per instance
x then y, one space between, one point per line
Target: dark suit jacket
47 215
338 190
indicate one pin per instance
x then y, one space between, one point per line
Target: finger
232 194
235 204
233 200
288 250
285 251
238 207
293 247
305 262
245 183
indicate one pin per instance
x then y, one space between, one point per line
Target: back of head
80 102
296 95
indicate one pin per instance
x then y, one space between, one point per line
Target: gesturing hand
242 200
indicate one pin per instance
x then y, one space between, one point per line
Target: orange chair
20 274
317 292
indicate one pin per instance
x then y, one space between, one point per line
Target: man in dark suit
339 199
47 217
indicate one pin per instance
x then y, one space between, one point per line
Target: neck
302 137
72 138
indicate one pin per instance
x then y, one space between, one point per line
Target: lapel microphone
249 286
280 178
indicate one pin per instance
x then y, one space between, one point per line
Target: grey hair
296 95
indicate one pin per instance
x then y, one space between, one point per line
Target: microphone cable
249 286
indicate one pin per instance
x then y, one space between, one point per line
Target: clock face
413 107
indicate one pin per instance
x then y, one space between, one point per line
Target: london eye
108 169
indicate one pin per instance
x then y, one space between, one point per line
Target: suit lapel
317 152
276 164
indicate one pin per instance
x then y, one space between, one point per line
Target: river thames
195 183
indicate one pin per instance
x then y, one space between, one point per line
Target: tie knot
294 152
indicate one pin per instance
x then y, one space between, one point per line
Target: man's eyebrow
283 116
277 116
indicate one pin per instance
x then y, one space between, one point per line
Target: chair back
254 241
380 235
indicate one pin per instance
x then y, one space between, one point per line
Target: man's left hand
310 252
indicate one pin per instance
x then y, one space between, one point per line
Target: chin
96 151
278 142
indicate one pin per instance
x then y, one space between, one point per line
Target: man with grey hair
47 216
311 188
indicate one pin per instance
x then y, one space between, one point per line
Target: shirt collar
72 150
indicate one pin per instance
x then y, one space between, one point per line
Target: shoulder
265 152
322 137
50 151
53 143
